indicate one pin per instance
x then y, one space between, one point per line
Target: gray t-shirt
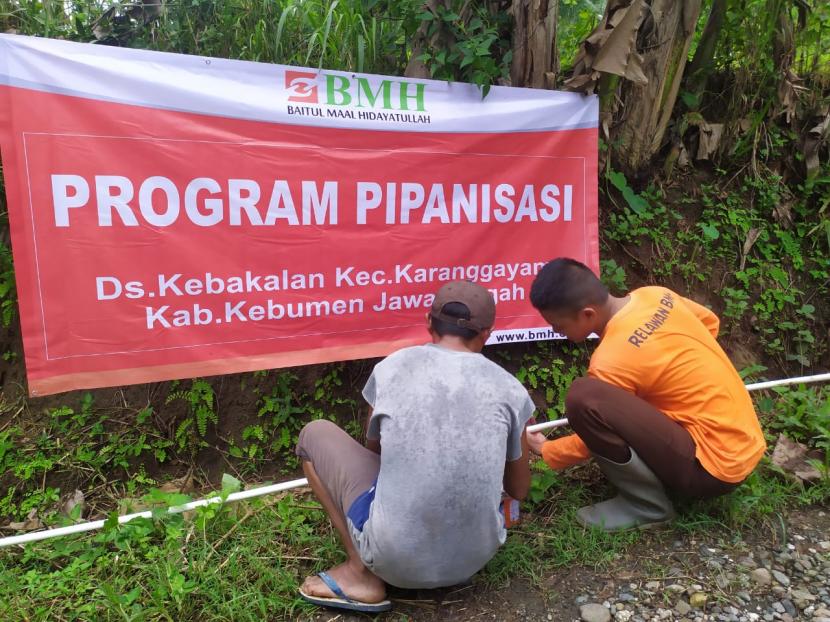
447 421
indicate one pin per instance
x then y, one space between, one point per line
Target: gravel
736 582
762 575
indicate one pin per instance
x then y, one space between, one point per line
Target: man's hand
535 440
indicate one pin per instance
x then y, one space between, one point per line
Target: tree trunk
664 38
646 42
422 41
697 75
535 61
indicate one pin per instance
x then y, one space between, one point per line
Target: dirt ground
666 556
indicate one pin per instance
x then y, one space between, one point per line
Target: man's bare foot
356 581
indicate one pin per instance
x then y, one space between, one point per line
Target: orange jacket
662 348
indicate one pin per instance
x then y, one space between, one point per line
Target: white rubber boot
641 503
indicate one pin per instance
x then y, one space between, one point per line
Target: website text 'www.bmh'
524 334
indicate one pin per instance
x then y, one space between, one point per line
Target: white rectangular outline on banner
251 144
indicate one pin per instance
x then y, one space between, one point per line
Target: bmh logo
302 86
335 90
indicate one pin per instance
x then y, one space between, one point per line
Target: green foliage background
747 233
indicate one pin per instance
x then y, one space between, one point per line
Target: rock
761 576
777 606
789 607
623 616
653 585
593 612
675 587
802 598
697 600
781 577
581 600
682 607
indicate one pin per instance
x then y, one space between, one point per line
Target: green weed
8 297
201 402
613 275
85 446
550 537
284 411
763 494
551 376
479 52
229 562
802 413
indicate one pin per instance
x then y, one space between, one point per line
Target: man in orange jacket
662 405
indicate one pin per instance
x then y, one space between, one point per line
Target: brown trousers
346 468
609 420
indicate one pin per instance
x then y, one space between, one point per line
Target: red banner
157 240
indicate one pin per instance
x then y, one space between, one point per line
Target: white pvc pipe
777 383
46 534
750 387
177 509
547 425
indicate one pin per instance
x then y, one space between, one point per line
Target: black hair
566 285
457 310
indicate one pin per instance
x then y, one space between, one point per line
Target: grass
549 536
352 35
238 562
245 561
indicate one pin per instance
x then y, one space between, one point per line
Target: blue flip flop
342 601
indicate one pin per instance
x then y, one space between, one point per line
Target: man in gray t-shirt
424 512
